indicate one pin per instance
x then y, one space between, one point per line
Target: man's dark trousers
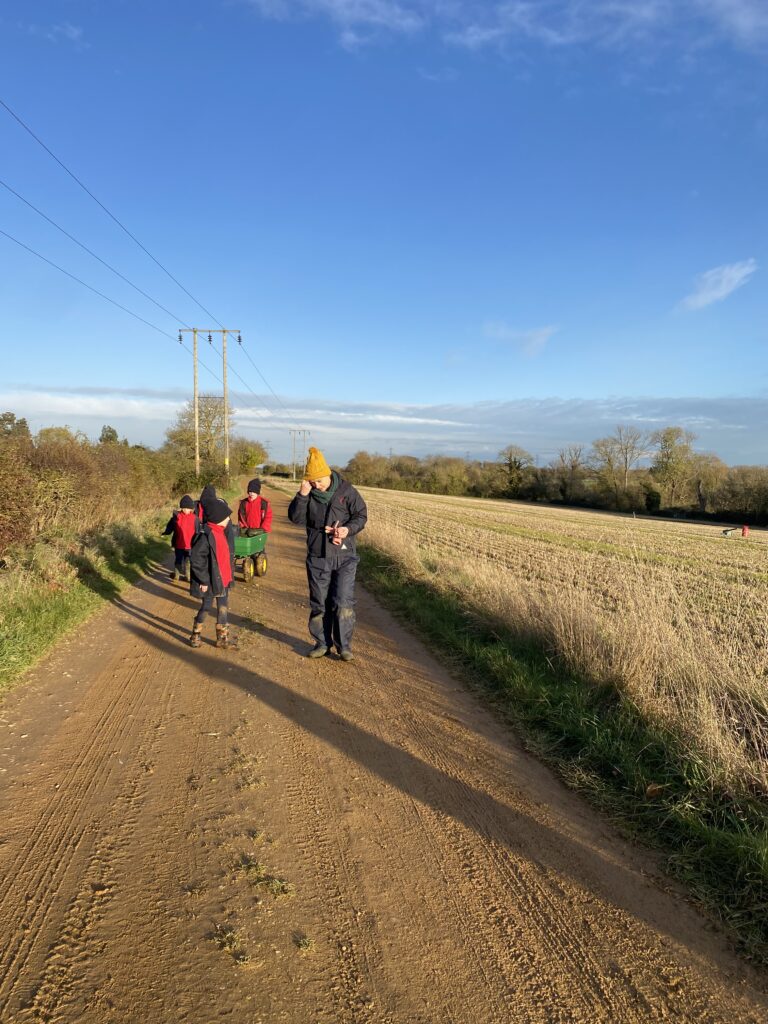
332 602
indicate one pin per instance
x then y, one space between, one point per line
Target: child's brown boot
196 639
223 639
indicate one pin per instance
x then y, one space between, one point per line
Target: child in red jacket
183 524
254 512
212 567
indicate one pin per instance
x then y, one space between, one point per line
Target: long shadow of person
511 837
251 626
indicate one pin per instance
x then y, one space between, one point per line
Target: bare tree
631 445
569 471
607 462
616 455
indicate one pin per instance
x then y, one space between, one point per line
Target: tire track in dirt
400 814
355 956
47 869
452 853
159 853
498 877
167 853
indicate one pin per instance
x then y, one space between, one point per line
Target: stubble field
673 613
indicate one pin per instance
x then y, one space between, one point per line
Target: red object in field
745 531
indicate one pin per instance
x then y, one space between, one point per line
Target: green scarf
324 497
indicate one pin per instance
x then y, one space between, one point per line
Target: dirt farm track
250 836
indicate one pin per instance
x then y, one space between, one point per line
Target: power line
90 252
242 381
125 309
119 223
260 412
269 386
105 209
271 409
96 291
122 277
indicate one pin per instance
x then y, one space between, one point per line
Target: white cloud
350 15
477 37
561 23
717 284
59 406
745 20
438 77
734 428
57 33
72 33
531 342
478 24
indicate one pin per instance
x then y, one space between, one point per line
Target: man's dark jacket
346 506
203 564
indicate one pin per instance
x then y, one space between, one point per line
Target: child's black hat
215 510
186 502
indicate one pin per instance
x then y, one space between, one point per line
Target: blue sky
441 225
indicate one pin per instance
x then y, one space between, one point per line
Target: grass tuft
304 943
230 940
260 878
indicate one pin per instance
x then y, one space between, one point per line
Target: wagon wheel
248 569
260 563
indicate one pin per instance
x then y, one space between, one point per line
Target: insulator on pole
239 340
180 341
210 340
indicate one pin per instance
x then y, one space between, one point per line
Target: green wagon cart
250 554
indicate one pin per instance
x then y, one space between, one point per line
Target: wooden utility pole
196 404
304 435
224 331
226 404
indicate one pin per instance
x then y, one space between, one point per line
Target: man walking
333 513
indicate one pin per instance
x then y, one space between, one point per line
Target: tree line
630 470
58 480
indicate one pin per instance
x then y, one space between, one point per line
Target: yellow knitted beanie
316 465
